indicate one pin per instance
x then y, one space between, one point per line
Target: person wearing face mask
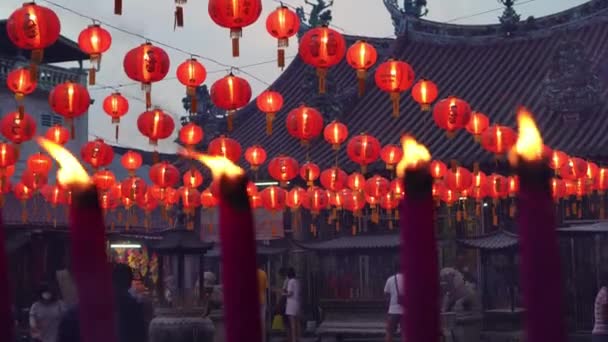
45 315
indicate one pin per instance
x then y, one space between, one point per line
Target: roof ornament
509 17
319 15
411 8
207 115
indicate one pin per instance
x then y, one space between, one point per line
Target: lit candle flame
70 170
220 166
414 155
529 145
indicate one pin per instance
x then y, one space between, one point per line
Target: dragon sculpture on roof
399 15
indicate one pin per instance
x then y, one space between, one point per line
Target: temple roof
494 241
354 242
64 49
552 74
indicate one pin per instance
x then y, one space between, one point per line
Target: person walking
45 315
394 290
600 326
262 288
292 305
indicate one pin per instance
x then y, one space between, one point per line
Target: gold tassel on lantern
179 13
361 77
118 7
395 98
229 120
235 34
321 74
269 120
191 93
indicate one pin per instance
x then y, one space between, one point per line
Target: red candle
419 263
539 250
90 267
7 323
237 243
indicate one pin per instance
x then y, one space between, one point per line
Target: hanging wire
154 41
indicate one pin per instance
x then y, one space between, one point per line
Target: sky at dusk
200 36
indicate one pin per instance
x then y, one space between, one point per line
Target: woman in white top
292 305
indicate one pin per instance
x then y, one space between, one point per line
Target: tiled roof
355 242
597 228
494 241
495 78
36 212
260 249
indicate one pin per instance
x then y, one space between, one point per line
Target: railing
49 76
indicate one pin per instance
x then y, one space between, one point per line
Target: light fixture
485 204
268 183
125 245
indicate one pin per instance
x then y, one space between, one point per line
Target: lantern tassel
235 34
269 119
193 105
34 71
116 132
179 17
37 56
118 7
72 128
148 96
92 75
361 77
229 120
321 74
395 98
281 58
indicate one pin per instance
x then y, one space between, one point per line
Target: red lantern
282 23
104 180
558 189
8 156
22 192
192 178
377 186
269 102
394 77
39 163
97 153
131 161
54 195
356 181
283 169
573 169
116 106
191 135
558 159
230 93
21 83
58 134
498 139
513 185
338 199
252 189
396 188
192 74
18 128
459 179
363 149
335 134
274 198
208 200
146 64
34 181
69 100
94 41
191 199
592 170
438 169
601 181
309 172
355 202
334 179
480 180
316 200
255 156
304 123
235 14
33 27
164 175
451 114
322 48
295 197
155 124
391 155
477 125
425 92
225 147
133 188
361 56
498 186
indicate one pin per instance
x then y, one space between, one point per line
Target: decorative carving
210 117
572 89
509 17
411 8
320 14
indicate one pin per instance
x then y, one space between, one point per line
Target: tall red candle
237 242
239 277
419 264
541 279
90 267
7 324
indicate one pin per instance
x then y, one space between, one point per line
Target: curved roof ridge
581 15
